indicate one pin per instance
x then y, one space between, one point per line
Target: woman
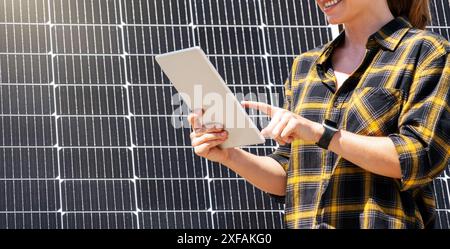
365 124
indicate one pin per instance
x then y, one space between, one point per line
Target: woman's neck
350 54
357 31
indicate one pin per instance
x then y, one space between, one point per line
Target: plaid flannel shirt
400 91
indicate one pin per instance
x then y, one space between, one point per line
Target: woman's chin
334 20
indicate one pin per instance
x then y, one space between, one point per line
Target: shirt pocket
373 111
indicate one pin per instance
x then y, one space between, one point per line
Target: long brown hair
417 11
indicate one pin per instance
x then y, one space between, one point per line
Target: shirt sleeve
424 124
283 153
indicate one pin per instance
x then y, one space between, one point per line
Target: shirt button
336 104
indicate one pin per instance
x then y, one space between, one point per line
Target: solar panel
440 12
86 116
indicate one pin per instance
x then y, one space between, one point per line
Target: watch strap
330 131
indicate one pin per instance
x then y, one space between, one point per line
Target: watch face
330 124
330 130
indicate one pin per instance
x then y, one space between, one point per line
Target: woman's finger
191 118
276 132
209 128
195 119
262 107
289 130
208 137
203 131
203 149
267 132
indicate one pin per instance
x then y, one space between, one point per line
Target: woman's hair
417 11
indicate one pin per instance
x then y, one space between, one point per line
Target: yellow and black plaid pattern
400 91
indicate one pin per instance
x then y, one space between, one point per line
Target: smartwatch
330 130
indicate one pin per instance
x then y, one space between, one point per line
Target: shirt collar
388 37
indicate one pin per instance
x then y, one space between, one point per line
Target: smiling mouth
332 3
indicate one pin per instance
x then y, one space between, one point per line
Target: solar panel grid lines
87 116
440 12
135 193
207 171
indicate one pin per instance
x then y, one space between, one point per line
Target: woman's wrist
231 155
316 130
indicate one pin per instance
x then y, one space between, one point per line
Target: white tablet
202 87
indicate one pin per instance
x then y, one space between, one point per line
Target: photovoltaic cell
89 133
89 70
208 12
237 70
87 40
292 13
152 99
151 40
26 68
97 195
96 100
248 220
184 194
85 12
294 41
94 163
220 172
233 194
440 12
175 220
100 220
230 40
29 163
26 99
29 195
27 131
93 131
31 220
24 38
24 11
177 163
168 12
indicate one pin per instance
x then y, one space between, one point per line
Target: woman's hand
206 139
286 126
